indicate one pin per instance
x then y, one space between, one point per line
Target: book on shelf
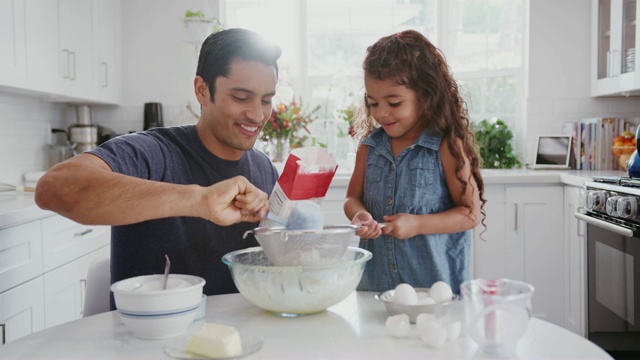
593 138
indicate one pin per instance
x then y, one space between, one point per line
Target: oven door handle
605 225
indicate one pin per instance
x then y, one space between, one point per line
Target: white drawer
64 240
20 254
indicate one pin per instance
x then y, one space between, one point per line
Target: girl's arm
353 206
464 216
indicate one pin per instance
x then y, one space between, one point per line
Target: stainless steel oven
613 264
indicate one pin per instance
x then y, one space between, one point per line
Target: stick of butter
215 341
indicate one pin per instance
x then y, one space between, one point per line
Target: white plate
177 349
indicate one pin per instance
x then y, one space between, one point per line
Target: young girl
417 169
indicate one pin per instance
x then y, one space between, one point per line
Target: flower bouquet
283 128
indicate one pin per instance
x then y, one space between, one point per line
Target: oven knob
596 200
627 207
612 204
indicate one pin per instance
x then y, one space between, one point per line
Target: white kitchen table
352 329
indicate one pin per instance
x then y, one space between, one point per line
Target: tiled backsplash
25 128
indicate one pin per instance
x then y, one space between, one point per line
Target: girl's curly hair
412 60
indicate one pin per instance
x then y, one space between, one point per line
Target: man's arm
85 190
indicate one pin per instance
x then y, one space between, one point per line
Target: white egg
398 325
405 294
440 291
434 337
426 321
453 330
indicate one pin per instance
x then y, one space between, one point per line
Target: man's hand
235 200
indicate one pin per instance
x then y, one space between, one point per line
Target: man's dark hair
220 49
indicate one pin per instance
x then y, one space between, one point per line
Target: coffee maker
152 115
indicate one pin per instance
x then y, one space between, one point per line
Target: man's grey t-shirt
194 245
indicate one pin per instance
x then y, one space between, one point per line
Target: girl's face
395 107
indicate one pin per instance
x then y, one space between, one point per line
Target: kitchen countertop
18 208
351 329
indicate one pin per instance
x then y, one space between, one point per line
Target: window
324 43
484 46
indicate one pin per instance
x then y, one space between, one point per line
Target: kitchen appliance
612 216
83 135
152 115
61 148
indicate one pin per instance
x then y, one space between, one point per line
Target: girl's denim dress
412 183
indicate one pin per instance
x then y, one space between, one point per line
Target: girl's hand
369 228
401 226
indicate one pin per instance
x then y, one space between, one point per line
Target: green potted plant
494 140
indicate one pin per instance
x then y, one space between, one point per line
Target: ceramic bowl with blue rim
153 313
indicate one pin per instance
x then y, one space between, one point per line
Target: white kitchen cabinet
22 310
76 50
106 58
45 261
12 44
41 29
65 240
59 47
613 47
524 241
20 254
575 249
65 289
535 246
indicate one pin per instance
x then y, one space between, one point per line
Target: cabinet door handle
83 233
579 231
515 217
83 294
4 329
106 75
67 75
73 56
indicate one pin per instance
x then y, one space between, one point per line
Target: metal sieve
285 247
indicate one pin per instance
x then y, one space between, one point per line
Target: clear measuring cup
498 312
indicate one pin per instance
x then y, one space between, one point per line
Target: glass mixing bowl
295 290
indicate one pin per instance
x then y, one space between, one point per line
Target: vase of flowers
348 115
285 128
278 148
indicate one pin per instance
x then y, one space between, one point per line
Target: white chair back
98 291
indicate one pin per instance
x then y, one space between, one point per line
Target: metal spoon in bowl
167 266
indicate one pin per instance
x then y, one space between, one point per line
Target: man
190 191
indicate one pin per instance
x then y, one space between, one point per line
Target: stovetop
618 180
614 200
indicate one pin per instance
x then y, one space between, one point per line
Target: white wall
158 65
559 71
